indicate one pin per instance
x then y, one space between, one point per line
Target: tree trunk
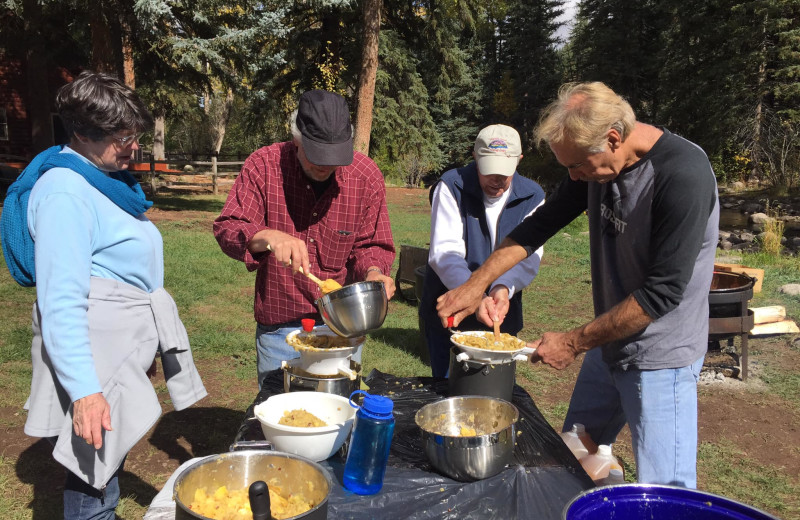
38 102
219 123
126 41
102 48
158 136
758 120
366 79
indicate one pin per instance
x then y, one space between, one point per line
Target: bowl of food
219 484
355 309
311 424
481 345
324 353
468 437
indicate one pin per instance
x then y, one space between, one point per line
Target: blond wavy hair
584 113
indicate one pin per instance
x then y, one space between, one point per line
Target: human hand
90 416
459 303
388 282
288 250
555 349
486 312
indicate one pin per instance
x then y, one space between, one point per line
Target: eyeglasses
127 140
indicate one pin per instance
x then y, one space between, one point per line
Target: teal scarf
120 187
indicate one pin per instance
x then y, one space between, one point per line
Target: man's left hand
388 282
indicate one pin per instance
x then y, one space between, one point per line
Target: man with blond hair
653 213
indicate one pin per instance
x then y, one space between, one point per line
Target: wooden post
153 183
214 174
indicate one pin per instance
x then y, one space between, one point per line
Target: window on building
3 125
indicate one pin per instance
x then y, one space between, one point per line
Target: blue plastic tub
653 502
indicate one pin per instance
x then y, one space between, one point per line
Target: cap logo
498 144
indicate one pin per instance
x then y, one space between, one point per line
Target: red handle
308 324
449 321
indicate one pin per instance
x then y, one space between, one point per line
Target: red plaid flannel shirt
346 230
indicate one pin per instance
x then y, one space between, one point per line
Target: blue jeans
660 407
83 502
271 347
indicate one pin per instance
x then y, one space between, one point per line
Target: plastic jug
574 443
598 465
585 438
369 445
615 476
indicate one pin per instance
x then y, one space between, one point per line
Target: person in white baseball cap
472 209
497 150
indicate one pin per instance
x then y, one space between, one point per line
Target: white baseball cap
497 150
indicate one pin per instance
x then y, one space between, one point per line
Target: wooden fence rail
156 167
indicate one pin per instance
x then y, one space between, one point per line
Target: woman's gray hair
96 105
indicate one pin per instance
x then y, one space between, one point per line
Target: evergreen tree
531 59
622 44
405 142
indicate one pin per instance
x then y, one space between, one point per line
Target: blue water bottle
369 445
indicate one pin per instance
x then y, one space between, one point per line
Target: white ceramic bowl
317 443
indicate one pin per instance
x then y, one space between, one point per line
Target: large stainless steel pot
295 380
468 458
237 470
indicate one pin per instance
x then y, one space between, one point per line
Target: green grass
736 475
215 297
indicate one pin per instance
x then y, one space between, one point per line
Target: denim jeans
83 502
271 347
660 407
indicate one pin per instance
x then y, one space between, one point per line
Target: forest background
423 76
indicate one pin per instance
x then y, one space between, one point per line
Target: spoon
496 330
326 286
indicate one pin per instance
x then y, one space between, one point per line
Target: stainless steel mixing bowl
472 457
354 309
238 469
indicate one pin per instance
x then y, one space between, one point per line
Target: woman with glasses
101 312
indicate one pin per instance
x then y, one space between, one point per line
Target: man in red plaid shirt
309 202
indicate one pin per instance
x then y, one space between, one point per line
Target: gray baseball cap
323 119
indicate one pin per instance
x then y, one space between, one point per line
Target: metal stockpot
296 380
473 457
469 377
239 469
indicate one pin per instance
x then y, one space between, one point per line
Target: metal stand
729 328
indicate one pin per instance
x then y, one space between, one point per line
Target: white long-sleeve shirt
447 254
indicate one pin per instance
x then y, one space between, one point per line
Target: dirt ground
761 425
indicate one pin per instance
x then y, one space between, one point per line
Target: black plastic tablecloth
545 475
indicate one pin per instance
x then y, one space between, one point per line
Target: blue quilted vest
463 183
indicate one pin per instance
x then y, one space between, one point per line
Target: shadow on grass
175 203
208 431
37 467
